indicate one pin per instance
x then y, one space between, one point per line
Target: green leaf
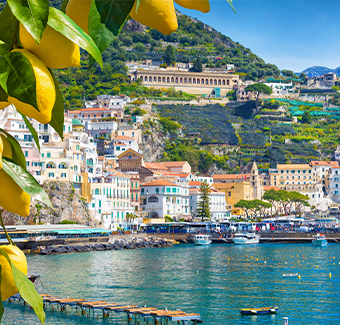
25 180
4 48
17 155
1 304
66 26
27 289
64 5
8 25
231 5
100 34
32 130
33 14
3 95
57 120
17 78
113 13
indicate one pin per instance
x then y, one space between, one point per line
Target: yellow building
293 177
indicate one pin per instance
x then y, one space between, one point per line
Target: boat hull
201 242
245 241
259 311
319 242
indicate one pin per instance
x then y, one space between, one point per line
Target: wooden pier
107 309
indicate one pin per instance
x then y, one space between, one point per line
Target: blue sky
292 34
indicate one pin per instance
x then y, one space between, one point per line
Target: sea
214 281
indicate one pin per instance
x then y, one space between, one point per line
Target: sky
292 34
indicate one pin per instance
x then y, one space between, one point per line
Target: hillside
137 43
317 71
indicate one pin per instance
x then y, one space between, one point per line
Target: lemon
78 11
57 51
18 258
12 197
158 14
201 5
4 105
45 90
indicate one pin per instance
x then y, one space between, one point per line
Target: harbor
214 281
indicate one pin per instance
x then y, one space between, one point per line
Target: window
153 199
63 175
142 190
100 204
48 155
173 190
50 174
168 190
157 190
93 205
77 147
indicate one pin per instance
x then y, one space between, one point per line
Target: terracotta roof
230 176
115 172
195 183
324 163
152 165
335 167
223 185
293 166
267 188
90 109
122 137
101 157
174 163
159 183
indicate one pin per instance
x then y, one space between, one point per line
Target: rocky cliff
68 205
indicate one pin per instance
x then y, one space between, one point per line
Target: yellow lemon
158 14
45 90
4 105
57 51
18 258
78 11
201 5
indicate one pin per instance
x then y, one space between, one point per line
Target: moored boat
262 310
246 238
201 239
319 240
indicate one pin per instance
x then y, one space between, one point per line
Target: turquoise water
196 279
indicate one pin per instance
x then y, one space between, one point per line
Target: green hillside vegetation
225 136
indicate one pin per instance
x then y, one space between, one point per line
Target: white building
109 101
162 198
218 205
108 198
101 128
122 143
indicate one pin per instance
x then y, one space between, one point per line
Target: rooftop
324 163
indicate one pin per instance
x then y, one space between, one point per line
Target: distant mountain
318 71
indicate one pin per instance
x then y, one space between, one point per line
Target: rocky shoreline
113 244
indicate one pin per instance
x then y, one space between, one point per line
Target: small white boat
246 238
201 239
319 240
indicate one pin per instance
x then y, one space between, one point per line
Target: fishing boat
319 240
201 239
245 238
258 311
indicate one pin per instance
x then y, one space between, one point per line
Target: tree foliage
257 89
203 206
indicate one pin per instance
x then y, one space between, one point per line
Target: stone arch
173 200
223 82
215 81
172 80
51 164
228 82
146 78
202 81
181 80
207 81
185 80
211 81
153 214
159 79
62 165
176 80
168 80
219 82
189 81
198 81
150 79
194 80
163 79
153 199
154 79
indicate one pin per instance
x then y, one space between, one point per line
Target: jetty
134 313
